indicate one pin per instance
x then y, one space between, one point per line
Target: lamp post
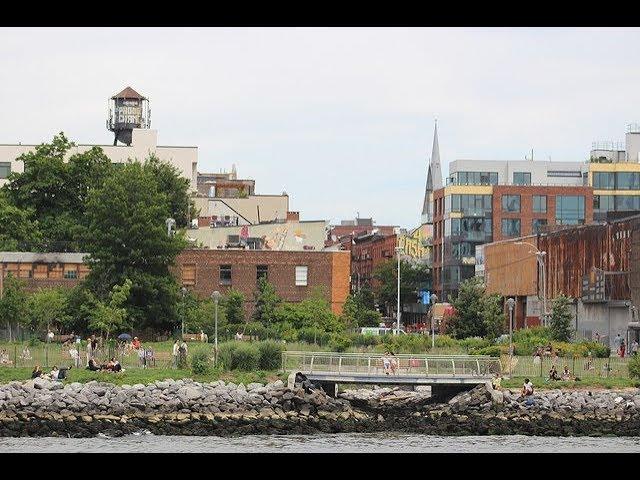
510 303
434 300
398 252
184 294
540 259
215 296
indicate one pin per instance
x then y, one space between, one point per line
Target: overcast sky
341 119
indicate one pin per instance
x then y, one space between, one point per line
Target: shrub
200 363
492 350
445 341
245 357
226 352
313 335
339 342
634 367
270 355
365 340
472 343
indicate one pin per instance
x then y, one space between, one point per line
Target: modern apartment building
485 201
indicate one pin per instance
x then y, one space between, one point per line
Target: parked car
380 331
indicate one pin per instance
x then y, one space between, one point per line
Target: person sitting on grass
53 374
92 365
566 374
37 372
553 373
63 373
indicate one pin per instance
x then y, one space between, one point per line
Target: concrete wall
271 207
632 140
608 319
144 143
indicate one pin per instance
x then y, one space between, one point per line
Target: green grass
145 376
586 382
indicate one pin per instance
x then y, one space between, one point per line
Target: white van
380 331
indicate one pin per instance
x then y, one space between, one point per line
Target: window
570 209
540 204
510 203
71 274
627 202
475 178
454 203
5 169
225 274
604 203
510 227
628 181
301 276
521 178
604 180
40 271
262 271
538 224
189 274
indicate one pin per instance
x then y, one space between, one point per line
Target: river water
348 442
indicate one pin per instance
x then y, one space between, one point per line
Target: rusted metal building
596 265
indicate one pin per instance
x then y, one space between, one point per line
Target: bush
313 335
270 355
245 357
339 342
492 350
634 367
226 352
446 341
200 363
360 340
474 343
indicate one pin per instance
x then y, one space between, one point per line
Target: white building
144 143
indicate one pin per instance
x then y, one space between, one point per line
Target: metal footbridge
463 371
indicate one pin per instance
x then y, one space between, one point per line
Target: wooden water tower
127 110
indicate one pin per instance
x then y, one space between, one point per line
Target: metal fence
578 366
406 364
48 354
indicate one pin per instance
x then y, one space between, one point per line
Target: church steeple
434 179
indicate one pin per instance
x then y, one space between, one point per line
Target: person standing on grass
622 348
89 351
634 348
174 353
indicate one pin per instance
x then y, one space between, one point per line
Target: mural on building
416 245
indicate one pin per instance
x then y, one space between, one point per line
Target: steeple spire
434 178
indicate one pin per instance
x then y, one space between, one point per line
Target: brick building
367 252
294 274
43 270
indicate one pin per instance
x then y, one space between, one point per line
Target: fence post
46 355
15 356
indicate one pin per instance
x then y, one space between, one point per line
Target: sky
339 118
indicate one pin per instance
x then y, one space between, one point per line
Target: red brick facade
369 252
526 213
438 238
200 271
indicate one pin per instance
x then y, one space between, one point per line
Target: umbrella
124 336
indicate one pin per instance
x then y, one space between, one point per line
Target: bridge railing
406 364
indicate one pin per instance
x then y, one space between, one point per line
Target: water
348 442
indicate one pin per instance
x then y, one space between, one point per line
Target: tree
199 315
413 278
80 306
111 316
468 320
233 306
358 310
561 319
18 231
492 314
13 303
267 301
181 206
47 308
127 238
54 192
314 311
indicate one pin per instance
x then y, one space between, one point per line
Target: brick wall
328 270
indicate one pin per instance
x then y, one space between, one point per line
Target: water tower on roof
127 110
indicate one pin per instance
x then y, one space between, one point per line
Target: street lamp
510 303
399 250
540 258
434 300
184 294
215 296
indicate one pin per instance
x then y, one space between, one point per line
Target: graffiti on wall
417 244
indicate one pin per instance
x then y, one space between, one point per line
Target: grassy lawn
149 375
587 382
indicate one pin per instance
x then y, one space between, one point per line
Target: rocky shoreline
185 407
